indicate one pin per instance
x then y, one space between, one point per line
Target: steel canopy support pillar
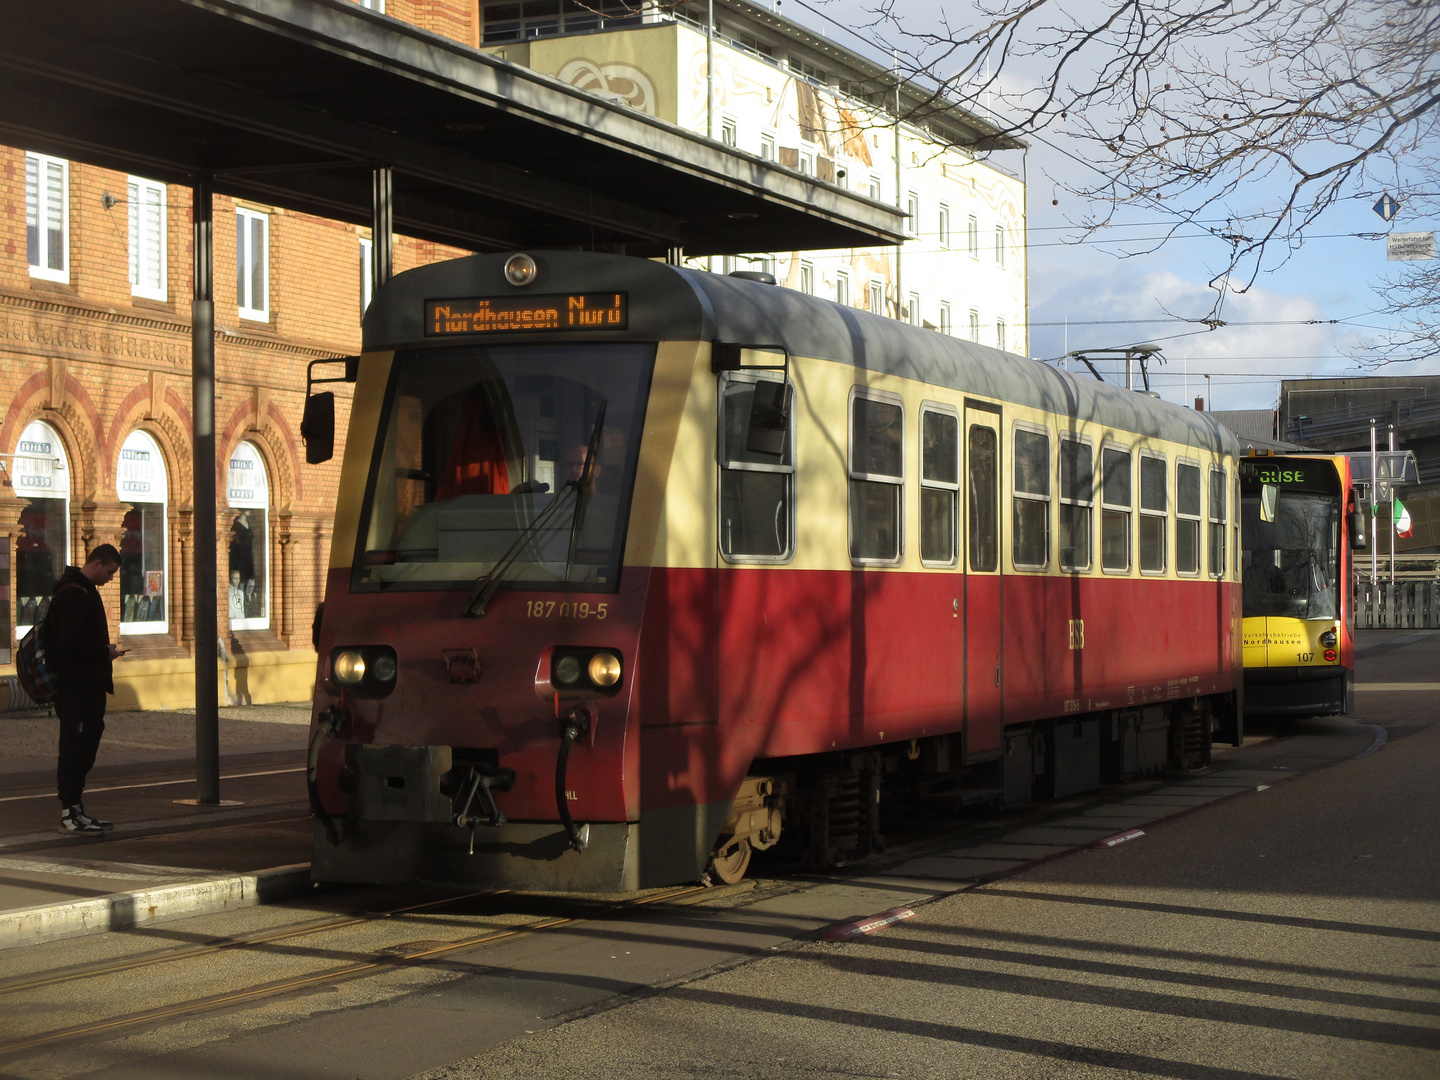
382 227
202 353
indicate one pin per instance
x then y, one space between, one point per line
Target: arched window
247 490
41 475
140 481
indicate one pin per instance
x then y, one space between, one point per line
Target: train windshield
483 462
1291 565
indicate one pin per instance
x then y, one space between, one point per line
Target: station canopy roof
294 102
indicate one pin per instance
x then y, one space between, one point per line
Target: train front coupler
479 787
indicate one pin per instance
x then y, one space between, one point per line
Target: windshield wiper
583 486
487 584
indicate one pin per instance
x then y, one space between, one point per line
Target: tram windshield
480 442
1291 565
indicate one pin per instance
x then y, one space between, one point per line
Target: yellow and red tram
1301 524
637 567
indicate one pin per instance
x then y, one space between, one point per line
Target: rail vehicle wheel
731 866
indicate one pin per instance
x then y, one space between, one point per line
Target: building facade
96 438
779 91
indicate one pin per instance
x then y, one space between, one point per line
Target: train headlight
364 670
566 671
349 667
520 270
604 669
383 668
1327 639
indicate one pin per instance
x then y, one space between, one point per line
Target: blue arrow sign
1386 207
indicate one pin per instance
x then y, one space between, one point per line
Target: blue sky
1301 317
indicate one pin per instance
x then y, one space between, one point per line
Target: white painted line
1392 687
131 910
855 927
155 783
1119 838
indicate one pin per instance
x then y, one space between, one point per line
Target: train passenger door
984 585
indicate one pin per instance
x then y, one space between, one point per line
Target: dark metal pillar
202 351
382 228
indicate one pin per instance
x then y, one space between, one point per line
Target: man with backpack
77 639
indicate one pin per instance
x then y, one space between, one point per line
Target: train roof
674 303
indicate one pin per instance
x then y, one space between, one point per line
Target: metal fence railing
1397 605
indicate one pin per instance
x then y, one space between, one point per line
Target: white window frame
258 622
912 214
1000 329
136 627
806 162
975 326
1061 500
943 223
858 393
367 272
876 298
807 277
842 288
30 463
927 407
726 463
767 146
877 189
1016 495
1163 515
1128 509
972 236
244 216
729 131
1197 521
1000 246
912 309
946 322
1216 524
38 196
146 195
377 6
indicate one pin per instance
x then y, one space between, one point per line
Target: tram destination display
521 314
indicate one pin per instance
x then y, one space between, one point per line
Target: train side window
757 468
1217 522
939 484
1187 518
1031 503
984 475
1077 496
1115 504
1154 506
877 474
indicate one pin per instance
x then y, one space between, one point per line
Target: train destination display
512 314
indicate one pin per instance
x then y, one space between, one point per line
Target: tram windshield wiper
486 585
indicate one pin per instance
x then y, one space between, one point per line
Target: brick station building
95 440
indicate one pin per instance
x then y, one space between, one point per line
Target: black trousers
82 722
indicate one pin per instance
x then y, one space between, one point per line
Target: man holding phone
77 636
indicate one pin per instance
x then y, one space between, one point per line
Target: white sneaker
75 820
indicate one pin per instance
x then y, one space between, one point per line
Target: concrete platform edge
131 910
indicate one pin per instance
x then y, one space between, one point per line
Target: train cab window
1115 504
1187 518
983 474
939 484
1077 496
1154 508
1217 522
1031 503
757 468
517 460
877 474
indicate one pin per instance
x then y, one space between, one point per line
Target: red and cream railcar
636 567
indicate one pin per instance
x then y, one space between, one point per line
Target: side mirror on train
317 427
1269 501
1359 539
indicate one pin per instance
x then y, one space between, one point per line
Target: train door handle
997 674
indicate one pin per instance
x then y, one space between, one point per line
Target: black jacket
77 635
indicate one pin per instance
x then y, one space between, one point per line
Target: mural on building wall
625 83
